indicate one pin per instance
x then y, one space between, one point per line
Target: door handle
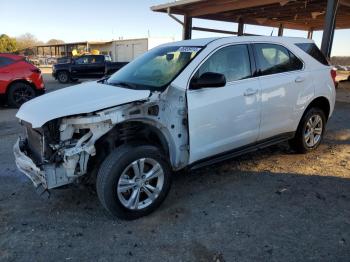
250 92
299 79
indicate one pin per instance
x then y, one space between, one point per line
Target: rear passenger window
4 61
312 50
232 61
96 59
274 59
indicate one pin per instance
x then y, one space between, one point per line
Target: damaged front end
58 153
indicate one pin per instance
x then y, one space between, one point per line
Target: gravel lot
271 205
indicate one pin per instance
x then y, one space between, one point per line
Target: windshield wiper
103 80
122 84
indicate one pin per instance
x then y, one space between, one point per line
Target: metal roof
293 14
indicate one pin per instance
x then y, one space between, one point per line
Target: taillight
36 70
334 75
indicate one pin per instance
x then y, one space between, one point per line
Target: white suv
180 105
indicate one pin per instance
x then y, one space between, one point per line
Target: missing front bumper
47 177
27 166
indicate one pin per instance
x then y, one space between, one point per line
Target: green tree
7 44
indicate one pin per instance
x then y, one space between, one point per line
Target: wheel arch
132 132
19 81
322 103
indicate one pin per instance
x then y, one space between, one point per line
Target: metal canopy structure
308 15
65 49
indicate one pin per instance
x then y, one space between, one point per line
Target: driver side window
82 60
231 61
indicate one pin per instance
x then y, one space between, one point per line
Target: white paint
79 99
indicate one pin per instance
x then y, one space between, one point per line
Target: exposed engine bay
67 148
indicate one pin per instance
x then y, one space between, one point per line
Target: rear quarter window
312 50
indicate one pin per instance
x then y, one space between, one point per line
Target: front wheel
310 131
133 181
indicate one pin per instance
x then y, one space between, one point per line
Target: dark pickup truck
86 66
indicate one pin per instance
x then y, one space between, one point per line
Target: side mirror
208 79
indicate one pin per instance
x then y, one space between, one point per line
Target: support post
187 28
329 27
240 27
310 33
280 30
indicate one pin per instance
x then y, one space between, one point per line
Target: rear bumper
27 166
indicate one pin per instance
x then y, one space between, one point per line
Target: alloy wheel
22 94
313 131
140 183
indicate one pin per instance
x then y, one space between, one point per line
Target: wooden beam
310 33
215 7
329 26
164 7
174 17
345 2
211 30
240 26
187 28
280 30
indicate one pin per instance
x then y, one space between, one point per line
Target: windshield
155 69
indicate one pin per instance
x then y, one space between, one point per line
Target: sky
81 20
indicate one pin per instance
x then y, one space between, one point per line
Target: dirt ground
270 205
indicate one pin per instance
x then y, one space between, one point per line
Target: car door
80 67
284 89
96 67
224 118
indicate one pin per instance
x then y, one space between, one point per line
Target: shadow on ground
238 216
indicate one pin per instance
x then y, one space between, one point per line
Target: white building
128 49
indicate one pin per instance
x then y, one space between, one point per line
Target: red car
20 81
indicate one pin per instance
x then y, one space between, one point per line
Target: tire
19 93
118 167
310 131
63 77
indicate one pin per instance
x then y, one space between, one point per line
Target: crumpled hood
83 98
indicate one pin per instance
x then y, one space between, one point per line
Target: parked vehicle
86 66
181 105
20 81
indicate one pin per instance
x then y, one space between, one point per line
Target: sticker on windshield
189 49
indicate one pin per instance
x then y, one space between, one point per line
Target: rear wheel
310 131
133 181
19 93
63 77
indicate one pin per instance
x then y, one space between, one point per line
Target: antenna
272 32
